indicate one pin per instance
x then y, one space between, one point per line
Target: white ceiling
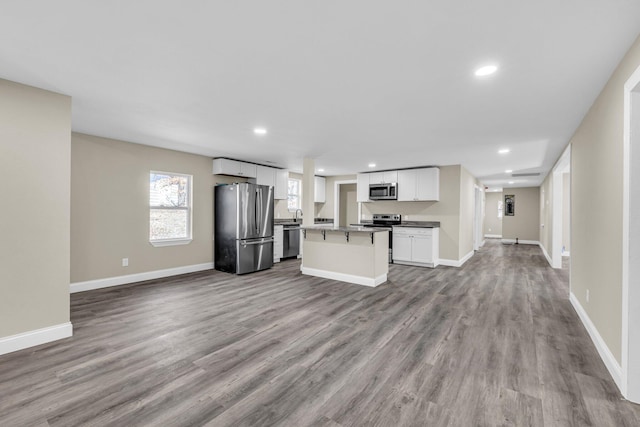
344 82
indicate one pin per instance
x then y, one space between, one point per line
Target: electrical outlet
125 262
587 295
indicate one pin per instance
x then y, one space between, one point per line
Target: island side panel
381 242
357 258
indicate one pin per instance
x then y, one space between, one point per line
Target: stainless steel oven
386 220
388 191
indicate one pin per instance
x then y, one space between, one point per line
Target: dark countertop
351 228
292 221
420 224
413 224
286 221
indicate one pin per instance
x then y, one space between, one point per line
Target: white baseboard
546 255
138 277
456 263
521 242
607 357
36 337
493 236
349 278
416 264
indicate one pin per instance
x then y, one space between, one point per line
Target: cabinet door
362 187
319 195
226 167
281 184
390 176
248 169
376 178
277 243
401 247
265 176
422 249
428 184
407 185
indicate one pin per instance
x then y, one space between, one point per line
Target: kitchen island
351 254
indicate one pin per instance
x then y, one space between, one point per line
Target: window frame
189 209
298 196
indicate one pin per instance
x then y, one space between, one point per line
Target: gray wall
110 208
492 224
35 129
566 211
525 224
596 199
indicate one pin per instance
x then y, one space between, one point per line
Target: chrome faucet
298 210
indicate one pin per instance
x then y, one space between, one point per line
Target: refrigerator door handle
256 242
259 210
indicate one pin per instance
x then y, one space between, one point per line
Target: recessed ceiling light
372 165
508 171
511 182
486 70
260 131
320 170
504 151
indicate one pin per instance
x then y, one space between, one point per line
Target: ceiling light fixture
486 70
508 171
511 182
503 151
320 170
260 131
372 165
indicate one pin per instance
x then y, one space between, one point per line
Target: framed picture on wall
509 205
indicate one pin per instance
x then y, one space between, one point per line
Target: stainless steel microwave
388 191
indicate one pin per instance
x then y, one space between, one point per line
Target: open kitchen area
263 219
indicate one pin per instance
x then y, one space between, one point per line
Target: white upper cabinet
407 185
362 187
266 176
419 185
234 168
277 178
428 184
383 177
319 190
282 184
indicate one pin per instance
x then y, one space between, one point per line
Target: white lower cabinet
416 246
278 243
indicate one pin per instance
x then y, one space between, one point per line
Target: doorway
346 207
478 221
561 231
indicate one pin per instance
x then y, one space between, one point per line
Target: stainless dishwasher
290 241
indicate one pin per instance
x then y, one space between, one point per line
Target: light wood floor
495 342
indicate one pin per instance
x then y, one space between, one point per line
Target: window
294 194
169 208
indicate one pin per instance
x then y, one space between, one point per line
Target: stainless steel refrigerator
243 233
